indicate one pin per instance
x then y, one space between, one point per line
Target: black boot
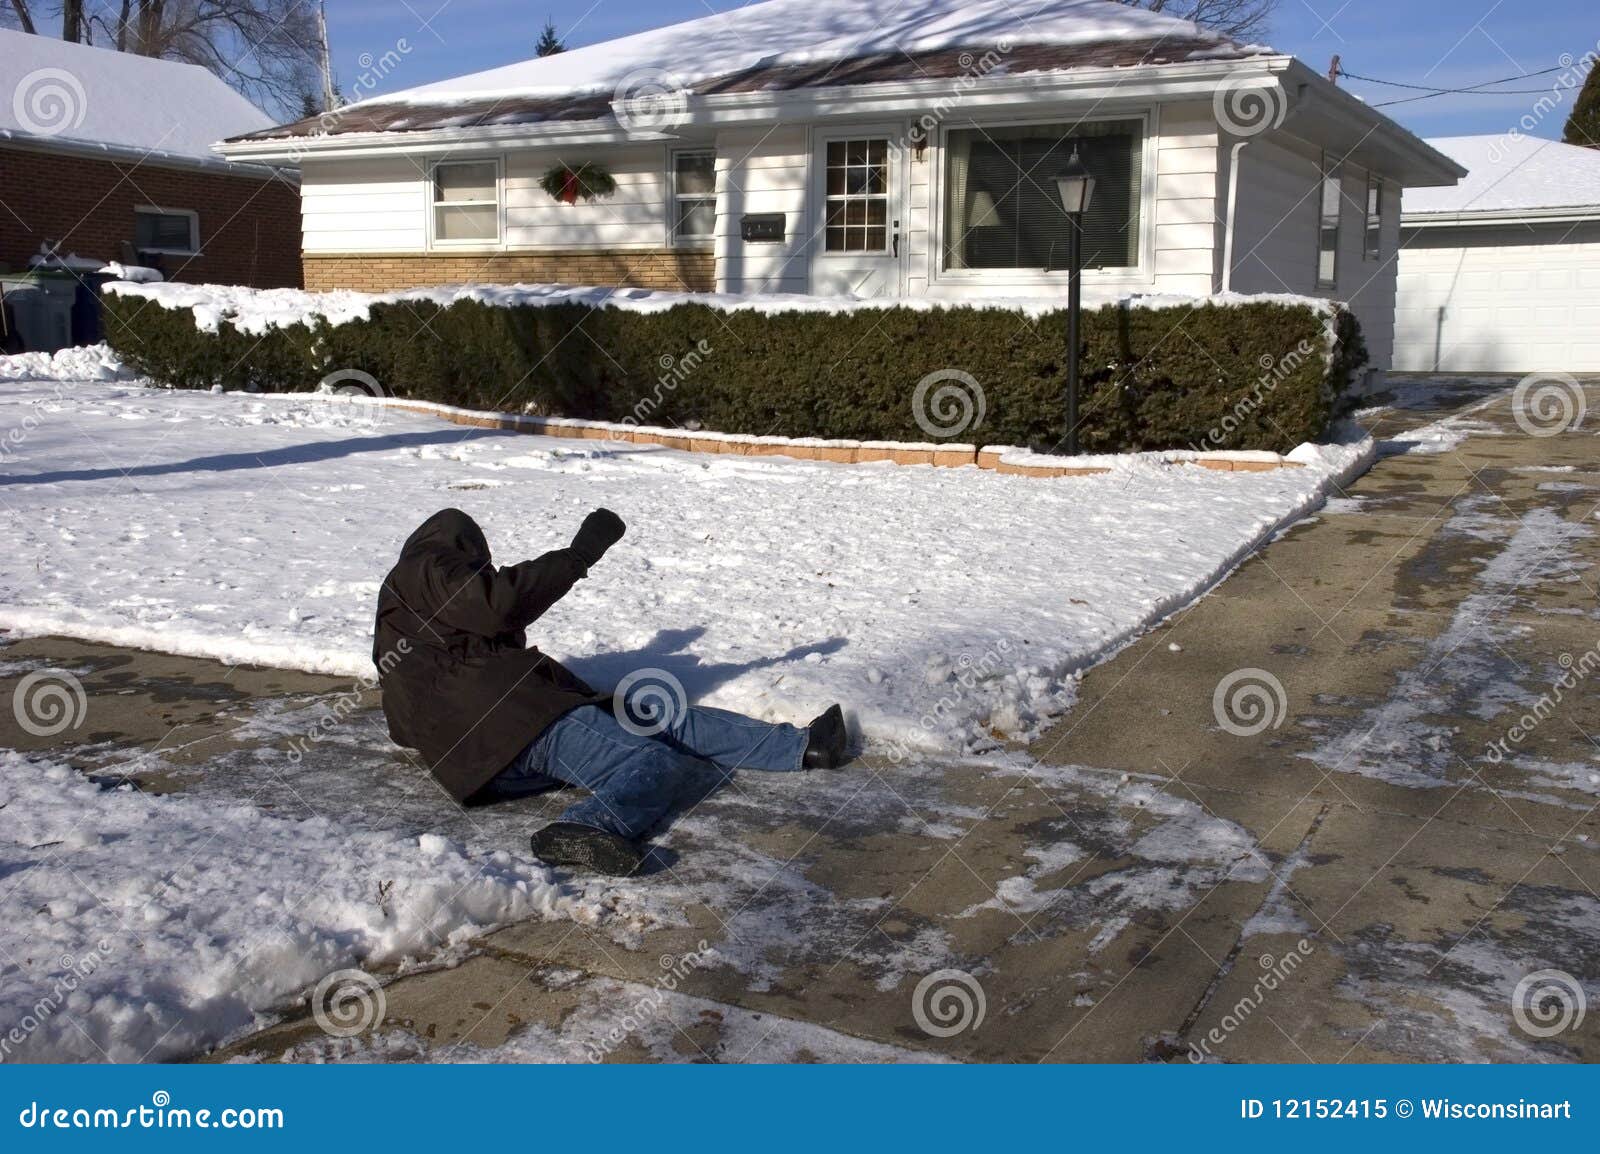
567 843
826 749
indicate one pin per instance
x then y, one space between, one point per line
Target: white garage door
1504 300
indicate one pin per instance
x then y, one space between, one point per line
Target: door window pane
857 198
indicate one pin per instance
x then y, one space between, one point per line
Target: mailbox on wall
762 226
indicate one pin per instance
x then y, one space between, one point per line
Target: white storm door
858 247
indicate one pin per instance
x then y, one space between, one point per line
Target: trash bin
86 307
40 305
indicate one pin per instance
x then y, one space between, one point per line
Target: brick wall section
249 227
378 272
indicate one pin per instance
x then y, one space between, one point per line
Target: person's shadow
665 652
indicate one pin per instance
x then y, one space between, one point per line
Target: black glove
600 530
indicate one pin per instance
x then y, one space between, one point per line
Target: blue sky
1443 43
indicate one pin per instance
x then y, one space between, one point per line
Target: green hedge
1242 375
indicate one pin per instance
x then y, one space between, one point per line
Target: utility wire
1475 90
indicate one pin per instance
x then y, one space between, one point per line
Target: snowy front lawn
943 607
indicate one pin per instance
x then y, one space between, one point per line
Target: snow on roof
1512 174
806 31
73 94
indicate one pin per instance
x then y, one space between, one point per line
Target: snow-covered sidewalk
943 606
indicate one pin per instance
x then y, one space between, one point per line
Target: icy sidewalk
947 606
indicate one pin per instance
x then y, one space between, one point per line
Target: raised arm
490 601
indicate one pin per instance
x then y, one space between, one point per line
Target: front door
858 250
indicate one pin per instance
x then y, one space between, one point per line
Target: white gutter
94 150
1576 215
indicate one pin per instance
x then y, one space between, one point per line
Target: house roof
786 45
1511 177
72 96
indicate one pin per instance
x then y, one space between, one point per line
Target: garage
1501 273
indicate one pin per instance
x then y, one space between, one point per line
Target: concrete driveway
1341 809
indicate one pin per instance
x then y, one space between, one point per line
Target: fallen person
495 718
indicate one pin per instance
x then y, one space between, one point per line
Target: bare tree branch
1241 19
23 16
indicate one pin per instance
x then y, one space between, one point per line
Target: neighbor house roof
1510 177
76 98
784 45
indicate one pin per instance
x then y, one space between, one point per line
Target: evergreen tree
549 42
1583 126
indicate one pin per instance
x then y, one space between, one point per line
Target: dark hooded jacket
460 683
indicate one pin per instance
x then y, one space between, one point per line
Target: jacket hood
449 531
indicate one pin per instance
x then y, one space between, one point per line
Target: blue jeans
635 779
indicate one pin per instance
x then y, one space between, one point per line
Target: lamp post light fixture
1076 186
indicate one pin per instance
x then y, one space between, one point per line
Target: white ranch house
797 147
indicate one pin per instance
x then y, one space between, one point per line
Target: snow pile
161 925
942 606
254 311
784 32
1510 174
84 363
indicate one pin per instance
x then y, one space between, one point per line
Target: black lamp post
1076 187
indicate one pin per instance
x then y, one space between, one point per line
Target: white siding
377 205
382 204
1275 237
635 216
1517 299
762 170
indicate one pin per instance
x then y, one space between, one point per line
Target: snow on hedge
254 311
940 605
157 926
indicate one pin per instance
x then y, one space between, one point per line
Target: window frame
155 210
891 196
435 204
1331 172
675 199
1372 241
1141 274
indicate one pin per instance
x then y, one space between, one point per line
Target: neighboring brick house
105 156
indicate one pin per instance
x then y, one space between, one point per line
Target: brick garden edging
1001 459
